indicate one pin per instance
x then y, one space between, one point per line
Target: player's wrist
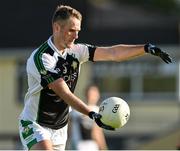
90 114
93 115
147 47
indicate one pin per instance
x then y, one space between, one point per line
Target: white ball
115 112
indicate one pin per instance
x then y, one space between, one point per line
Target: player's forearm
126 52
62 90
118 52
75 102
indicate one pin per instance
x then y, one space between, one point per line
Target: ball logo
115 108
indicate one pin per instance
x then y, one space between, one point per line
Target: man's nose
76 35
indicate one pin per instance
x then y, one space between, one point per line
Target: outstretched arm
118 52
126 52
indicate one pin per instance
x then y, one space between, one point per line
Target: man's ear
56 27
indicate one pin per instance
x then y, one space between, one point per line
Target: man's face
67 32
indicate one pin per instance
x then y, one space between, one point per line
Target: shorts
32 133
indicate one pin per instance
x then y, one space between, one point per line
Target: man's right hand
96 117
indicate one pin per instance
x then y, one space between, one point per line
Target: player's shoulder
77 48
78 45
81 48
38 52
83 45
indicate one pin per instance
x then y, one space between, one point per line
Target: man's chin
70 45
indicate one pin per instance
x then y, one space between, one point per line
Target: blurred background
151 87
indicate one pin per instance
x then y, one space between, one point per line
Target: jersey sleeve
86 52
45 65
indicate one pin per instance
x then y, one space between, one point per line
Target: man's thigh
35 136
32 133
43 145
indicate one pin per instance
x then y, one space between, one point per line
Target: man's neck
60 48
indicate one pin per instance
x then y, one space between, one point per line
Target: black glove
149 48
96 117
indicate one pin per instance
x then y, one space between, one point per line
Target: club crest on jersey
74 65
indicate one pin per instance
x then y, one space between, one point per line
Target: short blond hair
64 12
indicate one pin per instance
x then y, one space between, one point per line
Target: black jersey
45 65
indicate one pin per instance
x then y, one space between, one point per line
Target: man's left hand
149 48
